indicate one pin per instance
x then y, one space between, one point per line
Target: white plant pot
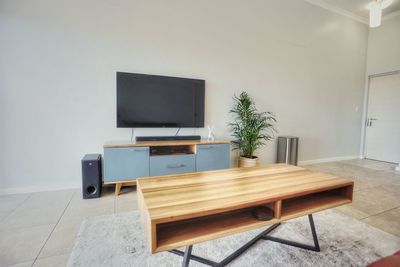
247 162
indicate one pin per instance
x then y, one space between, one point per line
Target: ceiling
355 8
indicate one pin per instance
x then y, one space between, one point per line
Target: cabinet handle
176 166
140 150
205 147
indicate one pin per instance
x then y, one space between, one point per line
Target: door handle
370 120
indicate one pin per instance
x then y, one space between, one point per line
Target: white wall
384 47
383 55
59 58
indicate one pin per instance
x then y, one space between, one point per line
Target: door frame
365 109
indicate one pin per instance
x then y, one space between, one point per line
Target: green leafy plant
250 129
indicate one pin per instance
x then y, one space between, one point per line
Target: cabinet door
162 165
212 157
127 163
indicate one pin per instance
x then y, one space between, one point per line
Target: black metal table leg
297 244
232 256
195 258
314 233
242 249
186 256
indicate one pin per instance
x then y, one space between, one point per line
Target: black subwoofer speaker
91 176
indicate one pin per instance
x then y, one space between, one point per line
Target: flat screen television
149 101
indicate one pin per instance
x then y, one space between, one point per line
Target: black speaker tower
91 176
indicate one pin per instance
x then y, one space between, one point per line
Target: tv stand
167 138
126 161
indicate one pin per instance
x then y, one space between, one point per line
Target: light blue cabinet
212 157
161 165
126 163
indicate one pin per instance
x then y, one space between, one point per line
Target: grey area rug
108 241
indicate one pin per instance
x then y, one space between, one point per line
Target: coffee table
181 210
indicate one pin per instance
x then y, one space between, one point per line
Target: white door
383 119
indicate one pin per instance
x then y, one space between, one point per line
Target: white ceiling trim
391 15
343 12
338 10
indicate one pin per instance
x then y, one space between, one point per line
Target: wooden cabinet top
163 143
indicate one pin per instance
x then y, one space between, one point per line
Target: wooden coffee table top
184 209
181 196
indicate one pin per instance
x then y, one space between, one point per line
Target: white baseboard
397 168
34 189
315 161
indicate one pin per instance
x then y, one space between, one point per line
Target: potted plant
251 129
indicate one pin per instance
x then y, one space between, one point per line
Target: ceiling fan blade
386 3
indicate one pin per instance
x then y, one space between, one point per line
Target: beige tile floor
39 229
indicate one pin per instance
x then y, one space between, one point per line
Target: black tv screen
158 101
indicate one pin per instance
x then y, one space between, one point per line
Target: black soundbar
167 138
